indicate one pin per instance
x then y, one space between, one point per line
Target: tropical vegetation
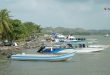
15 29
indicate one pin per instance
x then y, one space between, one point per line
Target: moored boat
78 47
71 50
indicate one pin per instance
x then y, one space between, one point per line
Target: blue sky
88 14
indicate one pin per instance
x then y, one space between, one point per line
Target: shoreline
33 44
6 50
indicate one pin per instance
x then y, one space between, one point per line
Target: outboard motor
10 54
41 49
70 45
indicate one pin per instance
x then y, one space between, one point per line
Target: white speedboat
83 47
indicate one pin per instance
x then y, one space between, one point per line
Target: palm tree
5 26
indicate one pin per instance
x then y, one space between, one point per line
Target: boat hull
99 46
88 50
42 57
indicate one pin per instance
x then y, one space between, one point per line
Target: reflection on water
81 64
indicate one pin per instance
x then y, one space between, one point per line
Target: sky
88 14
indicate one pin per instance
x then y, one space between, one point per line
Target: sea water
81 64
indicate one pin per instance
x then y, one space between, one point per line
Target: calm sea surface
81 64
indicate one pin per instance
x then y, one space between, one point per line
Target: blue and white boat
43 57
71 50
78 47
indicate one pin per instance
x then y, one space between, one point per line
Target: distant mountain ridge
75 31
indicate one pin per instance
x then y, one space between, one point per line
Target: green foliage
32 28
14 29
18 29
24 30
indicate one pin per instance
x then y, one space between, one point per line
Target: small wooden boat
42 57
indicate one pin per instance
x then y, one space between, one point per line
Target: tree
14 29
18 29
32 28
5 26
